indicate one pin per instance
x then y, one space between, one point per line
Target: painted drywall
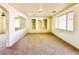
13 36
39 30
2 40
70 37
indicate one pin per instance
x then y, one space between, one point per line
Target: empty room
39 28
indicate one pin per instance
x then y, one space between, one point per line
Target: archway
4 26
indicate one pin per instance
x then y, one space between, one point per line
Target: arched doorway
4 26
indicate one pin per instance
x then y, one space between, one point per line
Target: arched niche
20 23
3 20
39 24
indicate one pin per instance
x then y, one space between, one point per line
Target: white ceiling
31 8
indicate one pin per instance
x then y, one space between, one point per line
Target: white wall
2 40
14 36
70 37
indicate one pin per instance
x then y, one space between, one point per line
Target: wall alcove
39 24
20 23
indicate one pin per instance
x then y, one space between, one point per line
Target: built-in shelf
39 24
33 23
45 23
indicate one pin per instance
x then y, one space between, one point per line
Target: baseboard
65 41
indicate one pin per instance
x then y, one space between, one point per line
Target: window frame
57 21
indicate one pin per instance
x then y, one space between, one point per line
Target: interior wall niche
39 24
20 23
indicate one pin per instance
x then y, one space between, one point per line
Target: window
62 22
70 21
65 22
56 23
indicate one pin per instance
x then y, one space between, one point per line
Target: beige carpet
40 44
